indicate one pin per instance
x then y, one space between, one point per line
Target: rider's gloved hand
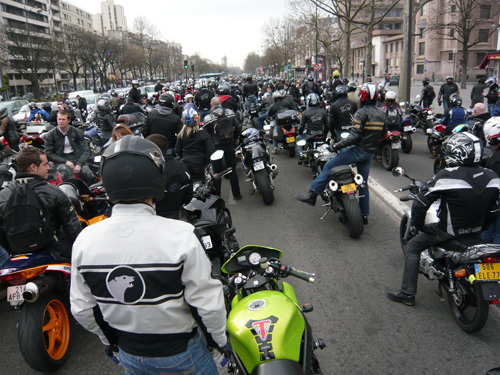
112 352
334 147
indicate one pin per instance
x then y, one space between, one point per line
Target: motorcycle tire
468 307
430 145
44 332
255 122
390 157
291 152
353 219
264 184
439 164
407 145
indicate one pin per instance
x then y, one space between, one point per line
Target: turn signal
20 277
490 260
461 273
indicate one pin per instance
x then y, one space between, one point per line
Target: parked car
14 106
150 90
23 114
394 81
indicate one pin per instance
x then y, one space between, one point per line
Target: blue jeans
4 256
203 114
363 162
492 234
491 108
196 360
261 120
250 100
446 105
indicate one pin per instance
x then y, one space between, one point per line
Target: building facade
112 17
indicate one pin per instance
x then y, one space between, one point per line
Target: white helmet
391 95
492 130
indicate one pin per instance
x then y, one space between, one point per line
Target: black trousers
230 159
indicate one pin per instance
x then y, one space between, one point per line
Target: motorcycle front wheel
439 164
467 306
264 185
291 152
353 217
44 333
390 157
407 144
430 144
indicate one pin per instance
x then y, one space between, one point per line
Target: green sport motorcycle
268 331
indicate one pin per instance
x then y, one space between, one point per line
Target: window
479 58
422 33
392 47
452 33
421 48
423 11
386 48
453 8
387 62
397 63
420 68
397 46
397 26
485 11
482 36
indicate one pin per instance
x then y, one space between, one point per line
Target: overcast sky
213 28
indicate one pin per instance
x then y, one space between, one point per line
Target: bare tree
469 22
72 56
252 62
281 35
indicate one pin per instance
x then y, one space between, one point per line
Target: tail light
440 128
20 277
493 302
490 259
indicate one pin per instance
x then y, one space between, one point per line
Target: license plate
348 188
487 271
207 242
396 145
257 166
15 293
408 128
290 139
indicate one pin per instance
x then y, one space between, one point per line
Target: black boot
310 198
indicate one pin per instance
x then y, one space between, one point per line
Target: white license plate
408 128
258 165
396 145
207 242
15 293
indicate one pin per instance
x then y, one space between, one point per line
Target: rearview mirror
217 155
398 171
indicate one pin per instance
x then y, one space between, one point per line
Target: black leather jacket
314 121
369 127
202 99
211 121
54 146
105 121
59 212
342 112
196 148
163 121
446 90
135 94
282 105
250 89
8 129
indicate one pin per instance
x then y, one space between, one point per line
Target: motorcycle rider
365 134
228 147
130 107
8 129
117 291
337 81
351 93
468 195
265 105
82 106
445 92
250 93
454 115
310 86
492 135
37 113
135 92
314 120
66 146
105 120
194 145
294 91
341 113
202 99
492 94
60 214
282 102
477 121
227 101
158 86
61 104
392 111
428 94
163 121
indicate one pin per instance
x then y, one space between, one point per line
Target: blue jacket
453 117
42 113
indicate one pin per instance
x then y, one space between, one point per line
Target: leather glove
334 147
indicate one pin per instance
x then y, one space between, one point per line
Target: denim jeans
491 108
196 360
363 162
426 103
203 114
492 234
250 100
261 120
4 256
446 105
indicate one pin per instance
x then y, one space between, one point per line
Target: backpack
392 118
224 129
430 92
25 223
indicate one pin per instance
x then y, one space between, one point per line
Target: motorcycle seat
279 366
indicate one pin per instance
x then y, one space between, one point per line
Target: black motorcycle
285 130
257 163
467 271
316 153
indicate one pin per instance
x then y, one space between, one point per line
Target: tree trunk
75 74
348 55
35 83
369 49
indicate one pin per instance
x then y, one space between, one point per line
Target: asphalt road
365 333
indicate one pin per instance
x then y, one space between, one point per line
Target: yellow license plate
290 139
348 188
487 271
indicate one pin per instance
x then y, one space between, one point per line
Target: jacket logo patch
125 284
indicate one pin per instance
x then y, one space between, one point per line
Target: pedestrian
142 282
8 129
428 94
492 94
476 95
446 90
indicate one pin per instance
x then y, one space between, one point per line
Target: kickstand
327 212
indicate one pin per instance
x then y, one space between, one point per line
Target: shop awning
487 58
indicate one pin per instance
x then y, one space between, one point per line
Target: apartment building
112 17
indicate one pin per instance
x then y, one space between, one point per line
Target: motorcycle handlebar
403 189
288 270
223 173
405 199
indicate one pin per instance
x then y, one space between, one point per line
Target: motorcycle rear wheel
44 332
264 185
469 309
390 157
291 152
407 145
353 217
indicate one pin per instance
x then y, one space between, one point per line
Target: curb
387 197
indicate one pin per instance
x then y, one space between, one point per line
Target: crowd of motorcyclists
183 124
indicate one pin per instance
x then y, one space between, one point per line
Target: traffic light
308 63
185 64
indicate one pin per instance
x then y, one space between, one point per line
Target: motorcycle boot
309 198
400 296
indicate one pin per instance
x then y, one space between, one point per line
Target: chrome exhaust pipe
274 169
41 286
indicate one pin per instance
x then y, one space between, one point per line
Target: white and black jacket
144 282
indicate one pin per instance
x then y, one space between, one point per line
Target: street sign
425 61
286 68
316 67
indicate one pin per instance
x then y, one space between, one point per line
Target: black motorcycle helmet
351 87
133 168
312 100
166 100
4 113
462 149
341 90
455 100
224 88
426 81
47 107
